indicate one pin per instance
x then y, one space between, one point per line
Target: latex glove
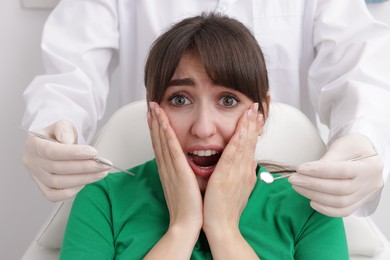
61 169
336 185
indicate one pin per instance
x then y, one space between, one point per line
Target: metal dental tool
96 159
268 177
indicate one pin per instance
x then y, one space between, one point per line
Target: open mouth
203 161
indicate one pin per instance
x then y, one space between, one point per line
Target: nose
204 123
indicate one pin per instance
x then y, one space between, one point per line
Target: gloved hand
337 186
61 169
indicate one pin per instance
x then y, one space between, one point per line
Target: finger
335 211
234 149
341 206
150 119
329 186
176 154
331 200
60 181
169 134
63 131
237 158
333 170
56 151
163 122
71 167
253 129
349 146
325 189
155 136
53 180
339 200
55 195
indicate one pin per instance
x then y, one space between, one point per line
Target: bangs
231 62
228 51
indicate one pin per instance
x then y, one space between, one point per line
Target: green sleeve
311 241
88 234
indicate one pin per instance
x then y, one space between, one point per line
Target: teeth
204 152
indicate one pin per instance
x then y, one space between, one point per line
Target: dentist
328 58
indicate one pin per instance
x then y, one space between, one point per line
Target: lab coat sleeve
349 79
80 40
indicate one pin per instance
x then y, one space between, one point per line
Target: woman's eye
228 101
179 100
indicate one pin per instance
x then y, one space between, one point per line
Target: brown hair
227 49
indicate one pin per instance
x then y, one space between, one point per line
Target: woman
207 86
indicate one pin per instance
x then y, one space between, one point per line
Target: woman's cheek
179 125
229 125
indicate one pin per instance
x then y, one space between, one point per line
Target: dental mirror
268 178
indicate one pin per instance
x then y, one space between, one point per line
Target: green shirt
123 217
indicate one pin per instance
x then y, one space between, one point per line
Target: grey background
22 207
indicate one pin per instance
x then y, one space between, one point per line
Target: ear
266 105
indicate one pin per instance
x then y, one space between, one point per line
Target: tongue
206 161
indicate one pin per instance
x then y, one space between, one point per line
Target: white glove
61 169
337 185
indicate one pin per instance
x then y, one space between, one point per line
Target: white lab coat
326 57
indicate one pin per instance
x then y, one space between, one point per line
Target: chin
202 182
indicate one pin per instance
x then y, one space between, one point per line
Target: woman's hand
179 183
180 187
230 186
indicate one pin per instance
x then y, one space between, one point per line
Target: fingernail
255 107
260 118
305 168
157 110
296 180
164 126
88 151
250 112
67 138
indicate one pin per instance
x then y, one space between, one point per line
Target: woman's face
204 116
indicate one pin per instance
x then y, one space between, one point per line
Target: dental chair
125 141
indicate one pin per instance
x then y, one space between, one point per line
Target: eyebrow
181 82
